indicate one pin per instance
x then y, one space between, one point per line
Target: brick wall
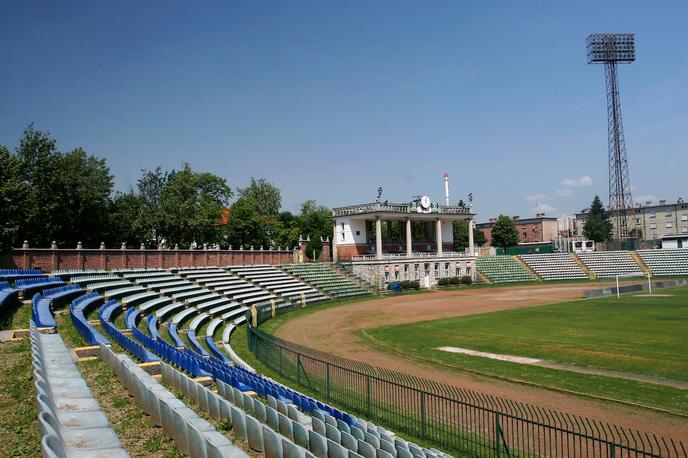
48 259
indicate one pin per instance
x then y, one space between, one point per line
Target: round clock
425 202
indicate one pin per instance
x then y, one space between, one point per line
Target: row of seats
325 279
78 311
503 269
554 266
43 302
192 434
666 262
276 281
189 359
31 286
19 274
607 264
245 380
70 420
9 297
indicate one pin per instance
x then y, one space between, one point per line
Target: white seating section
278 282
71 422
666 262
606 264
503 269
554 266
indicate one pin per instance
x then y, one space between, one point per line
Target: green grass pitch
635 334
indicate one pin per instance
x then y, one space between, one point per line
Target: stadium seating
85 280
666 262
233 381
325 279
606 264
9 297
78 310
30 286
278 282
70 420
20 274
192 435
105 316
554 266
68 274
42 304
503 269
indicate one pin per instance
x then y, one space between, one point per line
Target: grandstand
606 264
194 305
325 279
667 262
283 423
503 269
279 282
554 266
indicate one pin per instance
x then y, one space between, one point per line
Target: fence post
498 442
327 366
280 359
422 414
368 403
298 368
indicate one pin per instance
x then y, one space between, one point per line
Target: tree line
68 197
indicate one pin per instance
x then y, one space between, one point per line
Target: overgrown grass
15 317
18 416
637 334
136 431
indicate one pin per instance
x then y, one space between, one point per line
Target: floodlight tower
611 49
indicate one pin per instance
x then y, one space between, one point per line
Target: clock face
425 202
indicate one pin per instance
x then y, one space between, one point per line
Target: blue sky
330 100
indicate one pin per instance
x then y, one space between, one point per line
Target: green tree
192 205
83 198
266 196
40 219
247 227
151 216
314 249
124 220
460 229
597 227
13 194
504 233
287 229
315 220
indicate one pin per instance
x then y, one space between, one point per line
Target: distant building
650 222
566 225
530 230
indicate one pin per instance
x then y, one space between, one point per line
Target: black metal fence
462 422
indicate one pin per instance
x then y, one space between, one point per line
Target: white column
409 239
334 242
471 248
438 227
378 238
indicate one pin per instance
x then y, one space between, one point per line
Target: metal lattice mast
610 49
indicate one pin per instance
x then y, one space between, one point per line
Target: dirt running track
332 331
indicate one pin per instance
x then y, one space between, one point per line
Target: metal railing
460 421
374 207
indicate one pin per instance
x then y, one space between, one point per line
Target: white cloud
544 208
646 197
584 181
564 192
536 197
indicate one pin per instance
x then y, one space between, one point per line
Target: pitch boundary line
521 382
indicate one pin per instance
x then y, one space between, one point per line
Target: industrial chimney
446 189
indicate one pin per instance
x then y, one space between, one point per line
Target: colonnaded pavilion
384 242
